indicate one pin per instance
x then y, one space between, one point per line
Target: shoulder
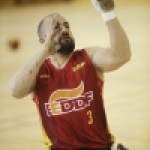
88 53
44 67
82 54
91 50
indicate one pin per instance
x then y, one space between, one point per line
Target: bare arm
23 81
108 59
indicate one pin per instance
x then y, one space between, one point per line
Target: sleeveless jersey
70 105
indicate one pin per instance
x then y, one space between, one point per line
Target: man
67 84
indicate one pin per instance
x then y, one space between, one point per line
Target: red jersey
70 104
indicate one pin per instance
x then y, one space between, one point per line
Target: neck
59 60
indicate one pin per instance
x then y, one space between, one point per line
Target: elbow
128 56
117 63
14 92
125 53
17 96
128 53
19 91
124 60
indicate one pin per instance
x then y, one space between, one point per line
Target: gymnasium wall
6 3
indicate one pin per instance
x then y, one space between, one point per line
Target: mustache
64 35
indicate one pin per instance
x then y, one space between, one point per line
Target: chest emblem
68 100
78 66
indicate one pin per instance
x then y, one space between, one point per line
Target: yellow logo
44 76
68 100
78 66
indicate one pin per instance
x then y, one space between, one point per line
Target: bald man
67 83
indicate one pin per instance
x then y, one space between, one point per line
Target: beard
67 46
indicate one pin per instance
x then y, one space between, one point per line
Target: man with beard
67 84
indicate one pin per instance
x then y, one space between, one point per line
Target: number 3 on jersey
89 114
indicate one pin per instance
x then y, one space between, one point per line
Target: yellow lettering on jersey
44 76
89 113
78 66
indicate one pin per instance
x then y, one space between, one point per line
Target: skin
103 59
55 27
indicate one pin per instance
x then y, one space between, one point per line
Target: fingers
55 29
53 36
106 5
103 6
56 35
52 31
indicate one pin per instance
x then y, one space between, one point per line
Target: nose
64 29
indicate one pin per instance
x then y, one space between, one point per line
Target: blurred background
126 91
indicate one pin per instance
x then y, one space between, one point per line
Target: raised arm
111 58
23 81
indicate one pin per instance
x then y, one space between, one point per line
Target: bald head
55 24
41 26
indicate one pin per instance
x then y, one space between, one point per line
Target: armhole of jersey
91 65
43 66
101 82
47 141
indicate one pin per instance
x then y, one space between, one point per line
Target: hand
103 5
52 38
106 5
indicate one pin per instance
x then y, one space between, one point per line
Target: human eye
66 24
57 26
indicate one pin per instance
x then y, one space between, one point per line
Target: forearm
111 58
24 80
119 43
120 48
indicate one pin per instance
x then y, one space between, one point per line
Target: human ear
41 40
